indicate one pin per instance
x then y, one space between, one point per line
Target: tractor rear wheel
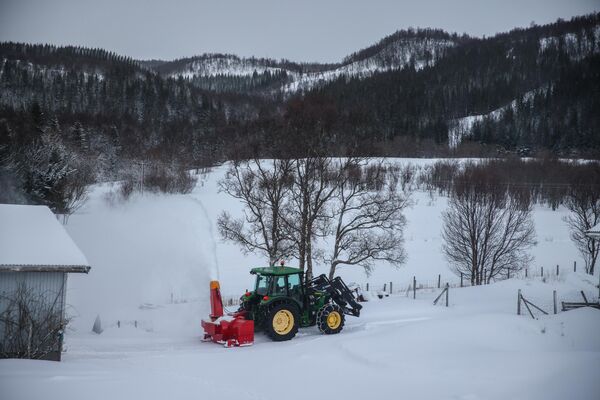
330 319
282 322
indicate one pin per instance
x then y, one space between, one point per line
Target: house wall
49 287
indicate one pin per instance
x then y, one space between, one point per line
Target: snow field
153 247
399 347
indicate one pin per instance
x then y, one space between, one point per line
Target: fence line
458 281
428 286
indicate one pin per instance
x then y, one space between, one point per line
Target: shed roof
594 232
32 239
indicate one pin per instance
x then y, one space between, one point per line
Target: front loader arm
339 292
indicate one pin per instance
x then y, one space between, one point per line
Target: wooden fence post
584 298
384 286
367 286
525 272
554 300
461 279
574 266
390 287
447 290
519 303
556 269
542 272
414 287
508 277
439 280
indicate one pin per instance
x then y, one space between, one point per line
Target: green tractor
282 301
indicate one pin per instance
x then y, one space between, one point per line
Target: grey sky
301 30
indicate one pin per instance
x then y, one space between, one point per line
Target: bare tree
74 191
313 188
263 187
32 324
367 217
583 201
486 231
289 204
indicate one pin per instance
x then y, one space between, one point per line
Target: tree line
291 207
349 211
123 111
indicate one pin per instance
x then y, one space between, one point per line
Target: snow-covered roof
594 232
32 239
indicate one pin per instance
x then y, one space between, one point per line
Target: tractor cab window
279 288
294 288
262 283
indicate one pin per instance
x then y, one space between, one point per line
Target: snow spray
214 266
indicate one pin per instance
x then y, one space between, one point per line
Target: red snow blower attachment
230 330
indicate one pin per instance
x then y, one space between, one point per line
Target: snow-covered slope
227 65
396 55
577 45
460 128
417 51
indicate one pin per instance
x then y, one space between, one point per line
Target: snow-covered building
594 233
36 254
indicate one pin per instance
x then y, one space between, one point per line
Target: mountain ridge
419 47
402 96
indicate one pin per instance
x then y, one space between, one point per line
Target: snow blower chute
230 330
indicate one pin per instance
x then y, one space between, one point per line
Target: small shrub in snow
32 326
155 178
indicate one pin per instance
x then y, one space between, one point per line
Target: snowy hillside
229 65
153 256
460 128
576 45
397 54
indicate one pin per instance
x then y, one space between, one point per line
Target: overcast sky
300 30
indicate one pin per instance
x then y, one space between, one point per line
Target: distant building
36 254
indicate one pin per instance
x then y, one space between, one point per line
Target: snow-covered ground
152 258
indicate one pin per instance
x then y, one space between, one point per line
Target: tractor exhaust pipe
216 302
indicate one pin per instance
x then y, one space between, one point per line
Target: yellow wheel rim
283 322
334 319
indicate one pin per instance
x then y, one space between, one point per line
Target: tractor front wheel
282 322
330 319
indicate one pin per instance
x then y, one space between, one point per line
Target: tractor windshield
262 284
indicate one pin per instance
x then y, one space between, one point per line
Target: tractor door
279 286
295 288
262 285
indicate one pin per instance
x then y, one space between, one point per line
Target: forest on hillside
528 92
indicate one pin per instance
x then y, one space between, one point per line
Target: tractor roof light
265 298
247 294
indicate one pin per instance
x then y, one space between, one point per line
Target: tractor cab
278 281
